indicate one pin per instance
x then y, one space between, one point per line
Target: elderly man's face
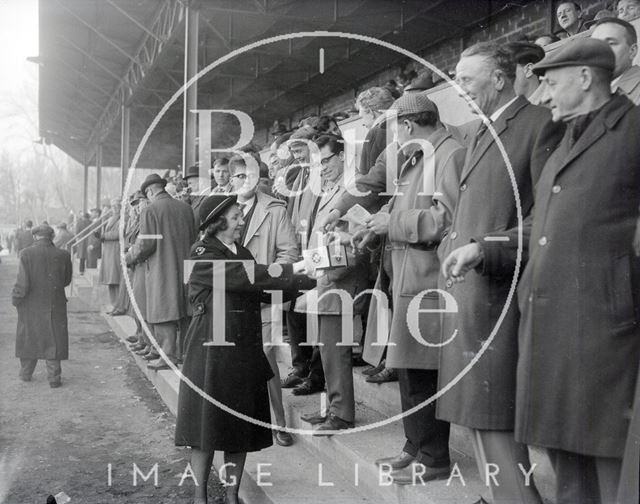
221 174
564 92
477 76
615 36
192 183
628 9
243 181
568 16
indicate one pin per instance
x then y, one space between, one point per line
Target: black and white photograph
319 252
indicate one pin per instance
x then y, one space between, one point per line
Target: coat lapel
614 110
474 155
258 217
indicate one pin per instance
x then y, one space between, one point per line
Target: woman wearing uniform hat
235 376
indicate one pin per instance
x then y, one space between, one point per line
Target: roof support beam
166 21
91 58
96 31
132 19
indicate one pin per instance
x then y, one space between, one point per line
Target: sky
18 77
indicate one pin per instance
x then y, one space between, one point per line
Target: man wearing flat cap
167 231
411 226
578 294
483 400
43 273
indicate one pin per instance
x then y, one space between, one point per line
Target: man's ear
633 51
498 79
586 77
341 155
528 72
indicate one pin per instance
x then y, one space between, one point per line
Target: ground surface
63 440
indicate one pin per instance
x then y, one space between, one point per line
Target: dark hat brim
218 210
148 182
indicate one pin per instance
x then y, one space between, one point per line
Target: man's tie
481 131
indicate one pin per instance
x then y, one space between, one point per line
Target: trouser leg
274 386
297 330
113 294
27 367
576 478
504 467
181 345
337 366
166 333
83 263
54 370
427 437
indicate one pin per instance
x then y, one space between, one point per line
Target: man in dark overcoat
483 399
167 231
579 292
43 273
24 238
81 247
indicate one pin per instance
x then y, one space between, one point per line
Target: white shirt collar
248 205
498 113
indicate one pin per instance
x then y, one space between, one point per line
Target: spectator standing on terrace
110 264
371 104
527 84
483 400
569 15
221 176
628 10
81 247
43 273
411 226
623 41
94 245
167 232
62 237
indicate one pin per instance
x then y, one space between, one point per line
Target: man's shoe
384 376
417 474
132 339
55 384
307 387
25 378
373 370
151 356
143 351
158 365
283 438
313 418
398 462
333 423
358 361
293 380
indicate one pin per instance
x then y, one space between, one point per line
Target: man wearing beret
167 231
578 295
483 398
43 273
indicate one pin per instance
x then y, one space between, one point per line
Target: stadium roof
96 55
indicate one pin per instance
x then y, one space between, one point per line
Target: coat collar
608 117
474 155
257 218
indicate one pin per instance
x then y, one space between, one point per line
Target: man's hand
361 238
329 221
462 260
338 236
379 223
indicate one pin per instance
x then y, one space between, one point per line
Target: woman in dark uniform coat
235 376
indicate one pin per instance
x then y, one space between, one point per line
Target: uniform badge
199 251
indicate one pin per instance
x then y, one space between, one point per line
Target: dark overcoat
167 231
235 376
580 291
43 273
416 226
485 397
94 247
81 247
